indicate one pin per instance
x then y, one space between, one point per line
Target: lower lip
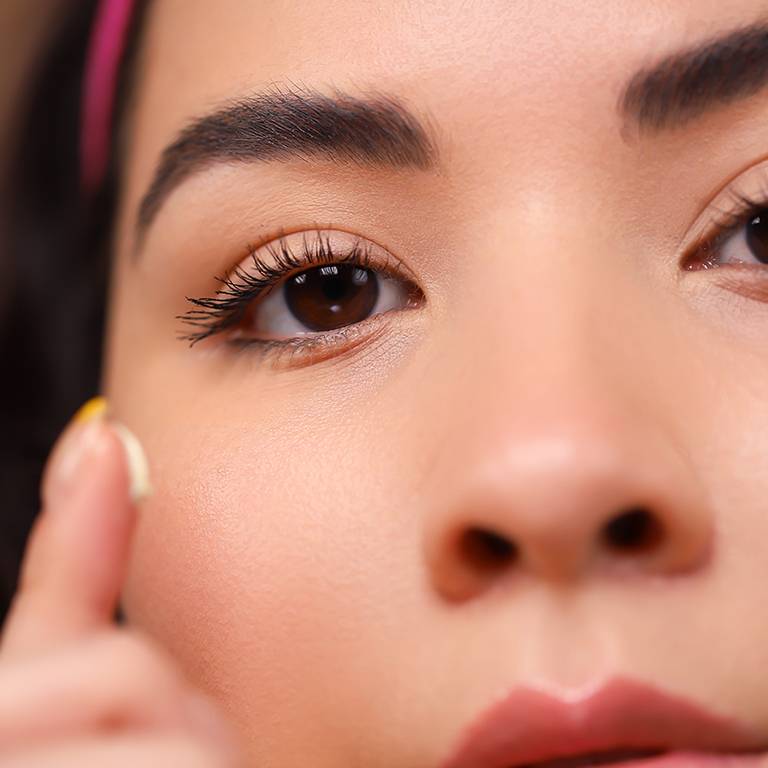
695 760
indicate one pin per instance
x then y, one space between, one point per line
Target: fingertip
76 440
84 430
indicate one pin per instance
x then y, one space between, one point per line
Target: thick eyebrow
375 131
685 85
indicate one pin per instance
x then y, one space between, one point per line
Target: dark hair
54 265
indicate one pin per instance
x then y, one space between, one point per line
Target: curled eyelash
212 315
706 248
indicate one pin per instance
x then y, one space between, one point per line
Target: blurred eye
324 298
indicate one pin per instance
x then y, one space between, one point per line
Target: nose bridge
557 442
554 328
556 293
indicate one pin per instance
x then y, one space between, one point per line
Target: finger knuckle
202 755
139 660
145 685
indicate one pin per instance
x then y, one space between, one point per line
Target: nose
580 475
565 507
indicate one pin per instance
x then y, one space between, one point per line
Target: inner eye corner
416 297
696 256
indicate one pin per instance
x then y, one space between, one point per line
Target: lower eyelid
301 352
756 290
748 281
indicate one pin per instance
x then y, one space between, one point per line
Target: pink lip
529 726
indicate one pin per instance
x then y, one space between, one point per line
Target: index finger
78 549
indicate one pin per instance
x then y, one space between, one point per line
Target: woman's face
523 442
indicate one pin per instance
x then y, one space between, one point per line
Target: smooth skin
299 558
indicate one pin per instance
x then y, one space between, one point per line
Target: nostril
636 530
486 550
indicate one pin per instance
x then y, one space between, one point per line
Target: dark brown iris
757 236
332 296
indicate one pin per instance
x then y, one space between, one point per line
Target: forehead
460 50
490 73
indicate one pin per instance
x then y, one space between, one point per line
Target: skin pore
356 546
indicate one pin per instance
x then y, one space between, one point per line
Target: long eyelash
726 222
215 314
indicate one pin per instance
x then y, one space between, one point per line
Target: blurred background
22 23
23 28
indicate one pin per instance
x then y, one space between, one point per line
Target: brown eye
332 296
757 236
326 298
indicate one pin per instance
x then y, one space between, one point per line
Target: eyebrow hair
683 86
375 131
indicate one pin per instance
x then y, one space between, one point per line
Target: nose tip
565 520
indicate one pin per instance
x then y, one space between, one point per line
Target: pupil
757 236
330 297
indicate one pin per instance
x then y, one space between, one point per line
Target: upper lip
529 726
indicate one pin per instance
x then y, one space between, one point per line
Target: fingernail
205 718
73 444
94 408
138 467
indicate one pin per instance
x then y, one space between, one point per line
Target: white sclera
735 248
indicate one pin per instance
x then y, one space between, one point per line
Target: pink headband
105 50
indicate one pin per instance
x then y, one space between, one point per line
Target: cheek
727 433
237 569
268 557
732 448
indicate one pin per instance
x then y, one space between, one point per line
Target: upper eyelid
723 222
377 256
726 208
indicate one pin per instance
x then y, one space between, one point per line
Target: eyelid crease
730 208
281 234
